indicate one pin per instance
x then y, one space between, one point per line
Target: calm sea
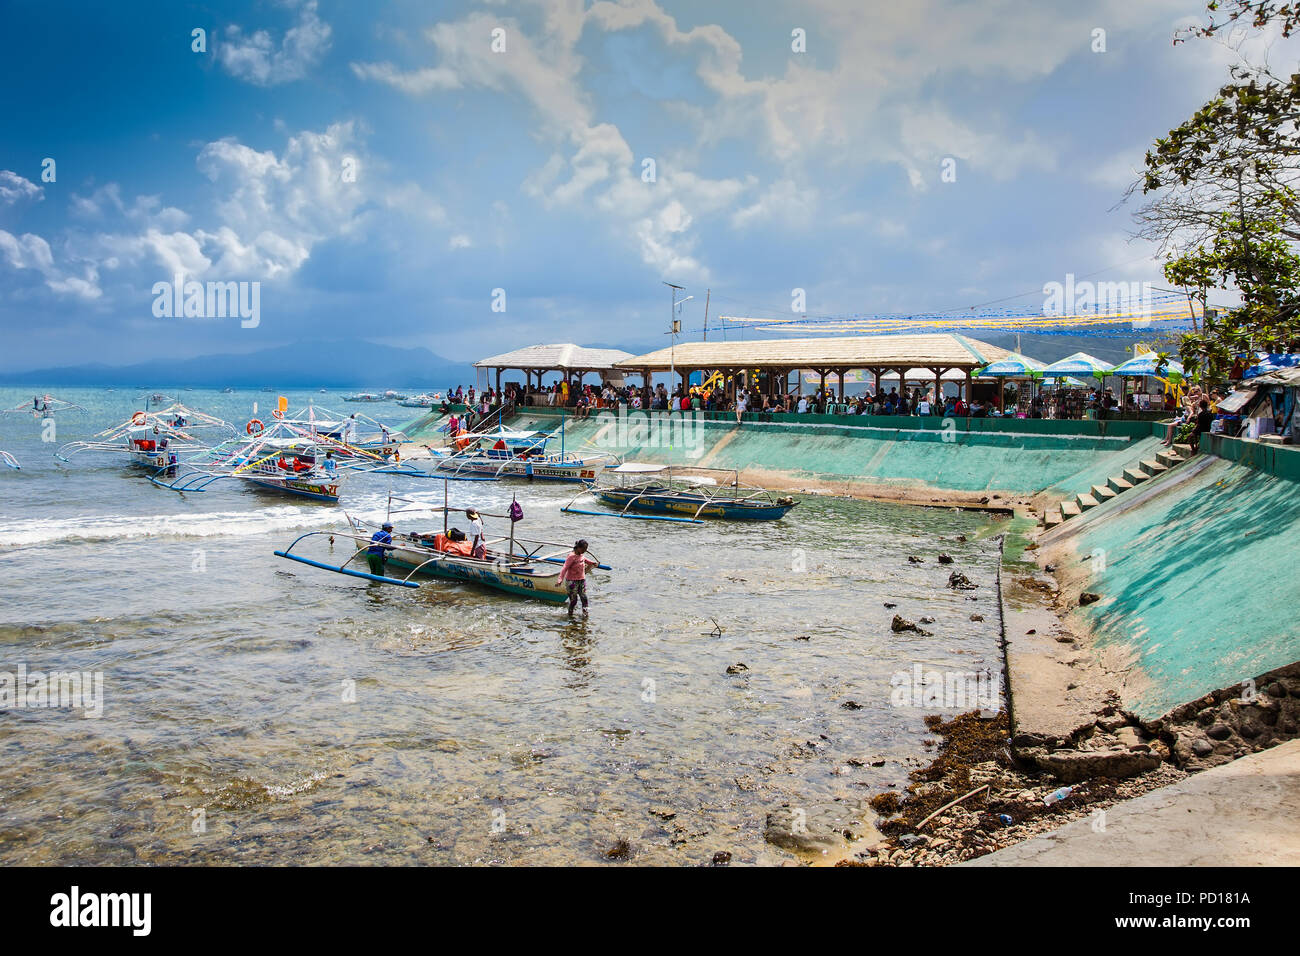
259 711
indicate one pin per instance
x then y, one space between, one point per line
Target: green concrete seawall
1013 456
1196 572
1280 460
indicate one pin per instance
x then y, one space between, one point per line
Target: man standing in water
574 574
381 542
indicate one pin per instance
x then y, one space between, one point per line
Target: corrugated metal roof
1282 376
857 351
567 356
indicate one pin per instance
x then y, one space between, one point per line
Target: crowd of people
1059 403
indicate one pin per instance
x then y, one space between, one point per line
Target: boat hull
690 506
313 490
539 470
518 580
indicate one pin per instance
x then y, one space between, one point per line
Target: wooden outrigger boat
344 433
280 458
681 493
152 439
424 400
510 454
519 566
43 406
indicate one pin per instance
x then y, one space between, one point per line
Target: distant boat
421 401
324 391
227 391
364 397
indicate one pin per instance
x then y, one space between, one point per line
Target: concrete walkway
1245 813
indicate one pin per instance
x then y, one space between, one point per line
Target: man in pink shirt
574 574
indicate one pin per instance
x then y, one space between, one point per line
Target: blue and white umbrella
1145 364
1080 363
1014 365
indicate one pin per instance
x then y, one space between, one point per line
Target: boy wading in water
574 574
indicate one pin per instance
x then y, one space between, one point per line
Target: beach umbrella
1080 363
1014 365
1068 381
1145 364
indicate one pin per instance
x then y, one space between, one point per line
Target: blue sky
522 169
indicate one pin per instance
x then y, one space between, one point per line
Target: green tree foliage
1225 206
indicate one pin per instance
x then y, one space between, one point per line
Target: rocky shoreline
987 789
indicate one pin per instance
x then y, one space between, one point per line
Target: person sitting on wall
1204 419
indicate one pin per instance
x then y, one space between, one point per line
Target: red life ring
255 427
277 413
139 418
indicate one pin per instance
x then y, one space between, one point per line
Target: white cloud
414 82
267 213
256 59
30 251
14 188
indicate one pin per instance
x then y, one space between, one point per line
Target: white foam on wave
120 527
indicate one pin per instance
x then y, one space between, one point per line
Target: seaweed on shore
968 739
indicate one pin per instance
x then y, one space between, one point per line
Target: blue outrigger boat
681 493
519 566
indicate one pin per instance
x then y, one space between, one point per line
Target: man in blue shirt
381 542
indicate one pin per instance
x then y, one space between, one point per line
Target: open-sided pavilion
937 356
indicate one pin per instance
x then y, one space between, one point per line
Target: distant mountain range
1052 348
359 364
354 364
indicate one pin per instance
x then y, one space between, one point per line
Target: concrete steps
1116 485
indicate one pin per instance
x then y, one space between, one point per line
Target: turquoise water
306 717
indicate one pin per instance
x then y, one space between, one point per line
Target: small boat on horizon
421 401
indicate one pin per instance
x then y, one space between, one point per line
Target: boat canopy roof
646 468
637 468
504 434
